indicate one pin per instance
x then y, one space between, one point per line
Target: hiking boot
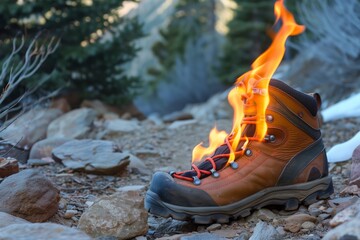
288 168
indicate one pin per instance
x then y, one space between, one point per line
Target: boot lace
204 170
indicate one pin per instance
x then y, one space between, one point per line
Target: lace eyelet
269 118
270 138
214 173
248 152
234 165
196 180
172 173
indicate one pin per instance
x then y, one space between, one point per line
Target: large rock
92 156
43 149
29 195
121 215
355 167
8 219
29 128
41 231
74 124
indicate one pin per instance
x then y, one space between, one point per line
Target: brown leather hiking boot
288 168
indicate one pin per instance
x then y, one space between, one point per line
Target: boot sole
288 196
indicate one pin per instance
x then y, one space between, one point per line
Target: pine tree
247 37
95 43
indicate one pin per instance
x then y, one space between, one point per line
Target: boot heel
316 196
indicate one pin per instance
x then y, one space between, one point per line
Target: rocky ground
155 145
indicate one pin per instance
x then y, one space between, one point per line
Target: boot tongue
223 149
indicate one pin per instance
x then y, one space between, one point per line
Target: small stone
213 227
324 216
308 225
265 214
70 213
8 166
121 125
293 223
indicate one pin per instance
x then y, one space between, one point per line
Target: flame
216 138
249 98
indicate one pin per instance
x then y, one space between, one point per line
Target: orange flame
249 98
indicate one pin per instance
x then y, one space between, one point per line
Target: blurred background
158 56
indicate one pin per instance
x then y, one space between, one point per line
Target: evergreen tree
191 19
95 43
247 37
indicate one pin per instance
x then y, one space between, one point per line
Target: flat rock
264 231
8 166
8 219
29 195
91 156
74 124
121 215
293 223
43 148
41 231
29 128
355 167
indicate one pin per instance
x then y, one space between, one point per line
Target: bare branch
12 73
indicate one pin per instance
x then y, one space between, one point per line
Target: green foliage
246 38
95 43
190 19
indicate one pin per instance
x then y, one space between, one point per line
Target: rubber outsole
288 196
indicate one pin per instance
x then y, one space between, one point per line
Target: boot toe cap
169 191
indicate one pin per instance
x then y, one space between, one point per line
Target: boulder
29 195
121 215
29 127
41 231
91 156
73 124
8 219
